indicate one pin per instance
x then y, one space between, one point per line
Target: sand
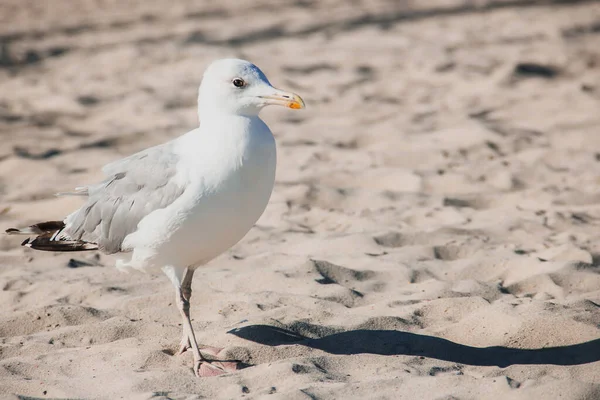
434 232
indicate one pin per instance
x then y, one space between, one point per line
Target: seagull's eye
238 83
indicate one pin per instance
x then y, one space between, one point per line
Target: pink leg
202 366
186 293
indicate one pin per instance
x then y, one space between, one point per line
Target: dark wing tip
45 239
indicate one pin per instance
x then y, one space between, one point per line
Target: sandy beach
434 231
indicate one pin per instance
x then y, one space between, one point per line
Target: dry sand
433 233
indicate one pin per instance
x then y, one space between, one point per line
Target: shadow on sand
389 342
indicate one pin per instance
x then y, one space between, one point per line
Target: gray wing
136 186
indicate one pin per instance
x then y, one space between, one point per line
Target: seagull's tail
48 238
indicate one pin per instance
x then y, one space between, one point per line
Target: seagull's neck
222 129
224 142
228 122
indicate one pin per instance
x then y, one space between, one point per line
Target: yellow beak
283 98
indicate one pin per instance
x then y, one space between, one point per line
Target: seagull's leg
202 366
186 293
183 304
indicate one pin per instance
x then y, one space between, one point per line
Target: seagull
176 206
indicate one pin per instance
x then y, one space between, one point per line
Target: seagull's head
240 87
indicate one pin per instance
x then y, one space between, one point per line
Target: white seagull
178 205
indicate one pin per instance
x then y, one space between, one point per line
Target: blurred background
80 77
81 80
441 138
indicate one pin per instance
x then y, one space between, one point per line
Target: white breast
229 173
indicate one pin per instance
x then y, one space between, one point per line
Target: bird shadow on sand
390 342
